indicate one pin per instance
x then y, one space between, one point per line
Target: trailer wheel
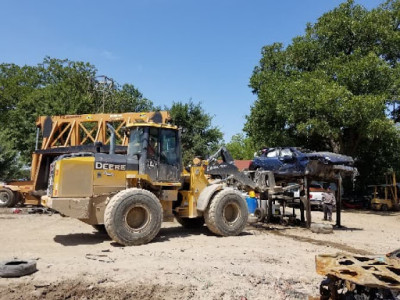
227 213
7 198
133 217
260 214
190 222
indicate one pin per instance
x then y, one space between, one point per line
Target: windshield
135 141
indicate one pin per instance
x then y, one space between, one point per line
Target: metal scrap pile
359 277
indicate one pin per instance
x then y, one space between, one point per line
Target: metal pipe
37 138
112 138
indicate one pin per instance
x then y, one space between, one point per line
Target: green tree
329 89
128 99
10 166
241 147
199 137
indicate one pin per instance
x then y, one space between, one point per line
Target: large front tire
227 213
133 217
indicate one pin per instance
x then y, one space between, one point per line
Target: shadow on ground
165 234
75 239
169 233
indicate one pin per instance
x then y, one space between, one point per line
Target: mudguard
206 195
11 187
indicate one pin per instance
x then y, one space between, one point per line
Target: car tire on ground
190 222
384 207
7 198
17 268
227 213
133 217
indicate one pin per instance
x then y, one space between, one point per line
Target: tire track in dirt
303 239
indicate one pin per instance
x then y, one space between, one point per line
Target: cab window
169 153
153 144
135 141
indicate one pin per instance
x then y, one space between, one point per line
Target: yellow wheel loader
131 194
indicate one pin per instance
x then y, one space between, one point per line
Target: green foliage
241 147
128 98
330 88
199 137
10 166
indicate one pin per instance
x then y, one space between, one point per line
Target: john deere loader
130 195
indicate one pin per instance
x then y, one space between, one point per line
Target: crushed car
296 162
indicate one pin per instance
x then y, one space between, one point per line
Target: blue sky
171 50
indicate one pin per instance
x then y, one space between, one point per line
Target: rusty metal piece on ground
100 257
371 271
40 210
359 276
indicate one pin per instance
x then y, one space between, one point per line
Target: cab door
170 157
153 153
163 156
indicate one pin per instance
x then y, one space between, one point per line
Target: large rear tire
7 198
227 213
133 217
191 222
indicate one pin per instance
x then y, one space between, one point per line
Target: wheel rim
137 218
231 213
3 198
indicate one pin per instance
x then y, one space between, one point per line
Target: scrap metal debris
374 277
40 210
100 257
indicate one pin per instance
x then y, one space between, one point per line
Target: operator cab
157 149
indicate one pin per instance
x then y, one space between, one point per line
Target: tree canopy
329 89
241 147
199 137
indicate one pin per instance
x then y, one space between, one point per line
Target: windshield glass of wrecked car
272 153
135 141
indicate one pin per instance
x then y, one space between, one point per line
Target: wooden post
339 201
308 204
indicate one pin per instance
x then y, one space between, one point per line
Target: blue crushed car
292 161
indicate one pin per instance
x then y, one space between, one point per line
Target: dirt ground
264 262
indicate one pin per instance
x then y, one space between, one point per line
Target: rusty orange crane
64 135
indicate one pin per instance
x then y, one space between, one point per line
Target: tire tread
211 214
110 208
